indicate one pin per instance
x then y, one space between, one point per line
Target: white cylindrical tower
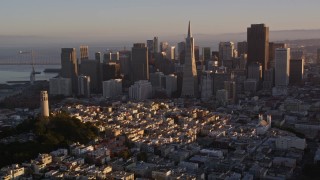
44 104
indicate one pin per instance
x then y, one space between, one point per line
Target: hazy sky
94 19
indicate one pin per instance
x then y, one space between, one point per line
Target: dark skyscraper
97 56
155 45
139 62
242 48
69 66
190 78
296 71
258 44
91 68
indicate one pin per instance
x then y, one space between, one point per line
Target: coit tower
44 104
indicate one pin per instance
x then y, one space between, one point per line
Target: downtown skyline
118 21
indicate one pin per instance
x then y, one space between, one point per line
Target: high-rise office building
164 46
110 71
196 53
226 51
139 62
150 44
172 53
124 59
92 69
258 44
272 49
155 45
242 48
190 78
84 52
140 90
206 54
181 51
97 56
69 66
112 88
44 104
255 71
219 78
296 71
206 85
60 86
230 87
84 86
282 69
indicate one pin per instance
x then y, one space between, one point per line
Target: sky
122 19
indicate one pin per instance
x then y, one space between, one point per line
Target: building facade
258 44
190 78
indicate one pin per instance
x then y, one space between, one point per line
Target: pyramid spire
189 30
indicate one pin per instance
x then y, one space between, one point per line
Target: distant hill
210 40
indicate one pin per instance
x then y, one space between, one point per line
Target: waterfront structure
139 62
140 90
258 44
190 78
84 86
69 66
60 86
44 104
84 52
112 88
282 69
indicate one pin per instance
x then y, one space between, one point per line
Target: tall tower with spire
190 79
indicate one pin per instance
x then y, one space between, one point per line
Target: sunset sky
118 19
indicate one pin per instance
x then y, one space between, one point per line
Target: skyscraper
97 56
225 51
84 52
272 49
44 104
258 44
242 48
155 45
84 86
282 57
296 71
190 78
206 53
69 66
139 62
